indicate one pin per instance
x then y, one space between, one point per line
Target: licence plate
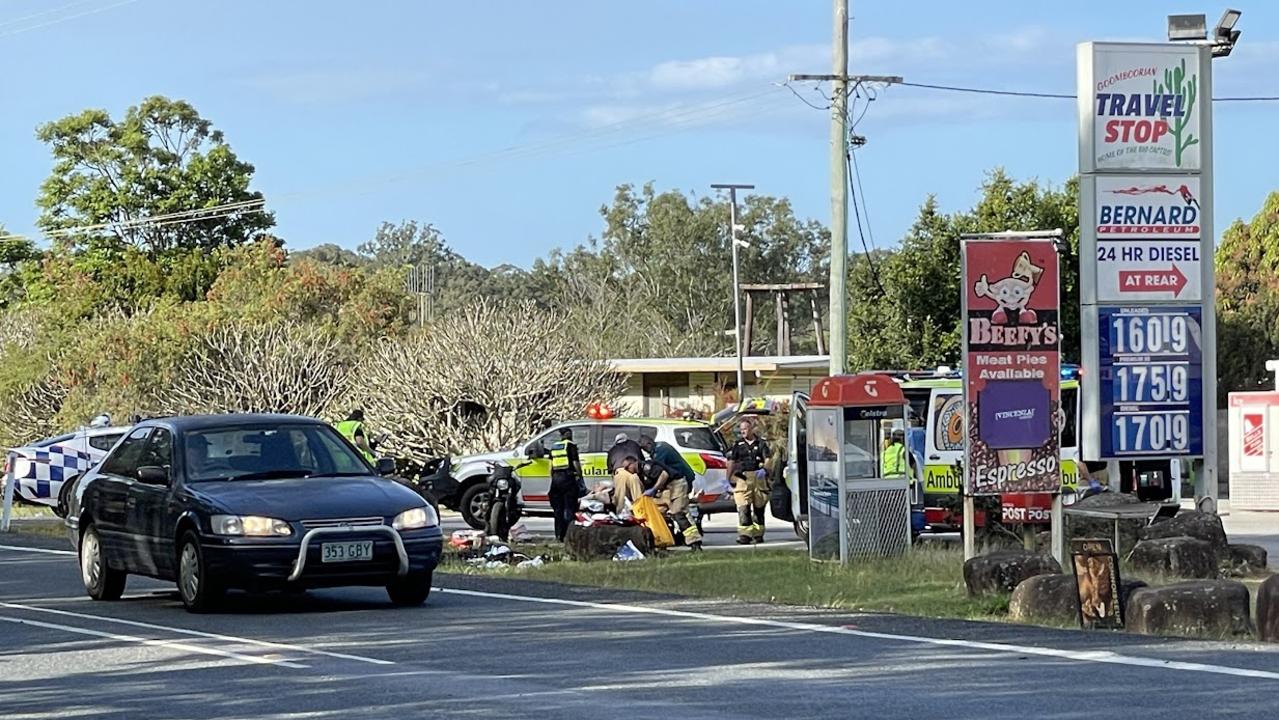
346 551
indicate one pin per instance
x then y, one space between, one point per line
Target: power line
874 268
858 174
1060 96
67 18
180 217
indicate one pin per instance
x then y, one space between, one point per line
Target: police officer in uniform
566 482
352 428
746 466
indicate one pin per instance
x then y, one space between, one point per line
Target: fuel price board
1151 381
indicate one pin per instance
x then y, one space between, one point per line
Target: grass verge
927 582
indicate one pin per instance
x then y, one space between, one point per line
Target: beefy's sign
1013 366
1145 108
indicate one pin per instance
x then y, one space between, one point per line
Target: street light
1187 28
1225 36
1194 29
733 229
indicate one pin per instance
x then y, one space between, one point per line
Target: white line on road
160 643
1096 656
198 633
38 550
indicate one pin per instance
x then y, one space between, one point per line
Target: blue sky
508 124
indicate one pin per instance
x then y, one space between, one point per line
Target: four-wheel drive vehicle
257 502
43 471
697 442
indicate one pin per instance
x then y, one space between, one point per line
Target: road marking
159 643
1096 656
198 633
46 551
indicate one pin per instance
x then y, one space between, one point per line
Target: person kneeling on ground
674 494
627 487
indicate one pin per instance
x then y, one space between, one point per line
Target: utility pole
733 228
839 183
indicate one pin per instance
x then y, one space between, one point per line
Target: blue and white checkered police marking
37 472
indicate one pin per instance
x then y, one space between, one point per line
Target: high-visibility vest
893 462
348 429
559 455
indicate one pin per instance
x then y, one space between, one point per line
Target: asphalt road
506 648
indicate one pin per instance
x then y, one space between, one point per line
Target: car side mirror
385 466
537 450
153 475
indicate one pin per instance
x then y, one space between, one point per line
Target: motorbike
502 505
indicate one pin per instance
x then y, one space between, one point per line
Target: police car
697 442
42 470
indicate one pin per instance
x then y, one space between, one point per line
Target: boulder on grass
1197 608
1003 571
1246 559
601 542
1184 557
1055 599
1268 610
1191 523
1083 527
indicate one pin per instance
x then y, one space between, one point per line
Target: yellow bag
645 509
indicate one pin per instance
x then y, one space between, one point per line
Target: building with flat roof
659 387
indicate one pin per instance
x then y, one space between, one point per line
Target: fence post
8 493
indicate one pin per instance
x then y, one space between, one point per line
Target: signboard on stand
1146 246
1012 366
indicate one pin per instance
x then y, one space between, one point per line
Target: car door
149 511
797 455
535 476
944 442
110 498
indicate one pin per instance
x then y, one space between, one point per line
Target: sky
509 124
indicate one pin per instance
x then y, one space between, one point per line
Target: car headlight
503 484
415 519
249 525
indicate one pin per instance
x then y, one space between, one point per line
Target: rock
1079 527
1197 608
1246 559
1268 610
1003 571
1177 556
1055 598
1190 523
602 542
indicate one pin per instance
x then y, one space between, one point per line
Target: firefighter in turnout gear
352 428
746 466
566 482
672 486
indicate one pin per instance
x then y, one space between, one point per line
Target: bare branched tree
243 367
31 413
484 378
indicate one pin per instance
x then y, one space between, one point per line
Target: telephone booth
858 477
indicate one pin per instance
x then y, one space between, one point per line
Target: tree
485 377
906 305
1247 265
112 179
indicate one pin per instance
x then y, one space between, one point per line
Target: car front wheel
410 590
100 581
472 505
199 591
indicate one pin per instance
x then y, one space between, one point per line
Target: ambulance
935 439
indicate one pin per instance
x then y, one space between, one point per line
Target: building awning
763 364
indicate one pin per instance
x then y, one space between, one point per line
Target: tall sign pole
733 242
1146 246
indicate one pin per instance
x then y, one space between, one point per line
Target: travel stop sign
1148 238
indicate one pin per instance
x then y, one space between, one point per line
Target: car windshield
269 453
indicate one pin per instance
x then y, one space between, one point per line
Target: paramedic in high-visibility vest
566 482
352 428
746 468
893 460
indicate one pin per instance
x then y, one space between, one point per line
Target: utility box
1254 439
858 477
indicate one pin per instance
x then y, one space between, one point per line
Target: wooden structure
781 295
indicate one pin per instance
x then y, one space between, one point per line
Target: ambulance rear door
944 441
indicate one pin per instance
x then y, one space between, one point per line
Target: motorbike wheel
497 522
